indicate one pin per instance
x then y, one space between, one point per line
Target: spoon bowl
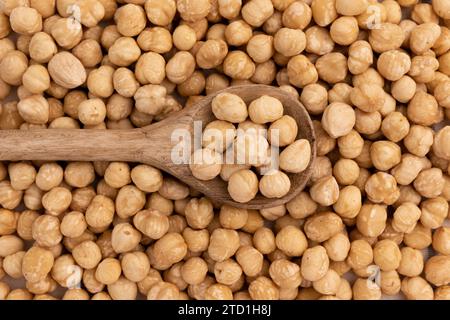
293 108
154 145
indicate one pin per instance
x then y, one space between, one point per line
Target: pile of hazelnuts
373 221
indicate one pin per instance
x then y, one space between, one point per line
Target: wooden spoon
153 145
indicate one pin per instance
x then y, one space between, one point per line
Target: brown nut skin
291 241
297 15
180 67
337 247
301 71
387 37
5 27
211 54
67 33
289 42
124 238
387 255
160 12
442 293
285 274
382 188
360 254
223 244
318 40
433 212
124 52
344 30
441 94
423 109
238 65
408 194
393 64
130 13
423 37
441 143
412 262
123 289
324 12
250 260
193 10
429 183
168 250
360 57
406 217
36 264
351 8
36 79
416 288
87 254
46 231
315 98
13 66
322 226
328 284
385 155
371 220
419 238
440 240
368 97
419 140
301 206
262 288
229 9
256 12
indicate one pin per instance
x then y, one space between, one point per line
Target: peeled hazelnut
66 70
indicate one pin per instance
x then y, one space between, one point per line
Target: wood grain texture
153 145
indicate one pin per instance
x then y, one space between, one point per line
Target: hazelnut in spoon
158 145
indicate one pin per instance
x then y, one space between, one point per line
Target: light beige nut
66 70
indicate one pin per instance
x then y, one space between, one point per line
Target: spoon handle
151 145
72 145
